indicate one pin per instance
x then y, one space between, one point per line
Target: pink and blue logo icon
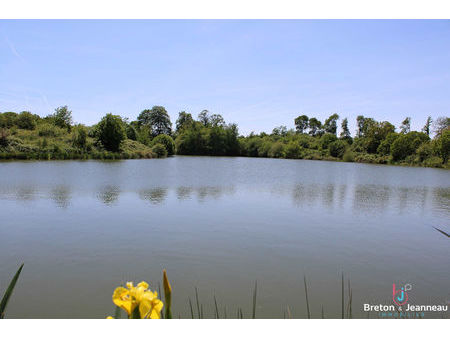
400 296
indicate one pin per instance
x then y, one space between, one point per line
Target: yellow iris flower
138 296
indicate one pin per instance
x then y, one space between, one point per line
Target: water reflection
441 199
109 194
359 197
25 193
154 196
366 197
184 193
213 192
61 196
371 197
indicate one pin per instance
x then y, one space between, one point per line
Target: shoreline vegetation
27 136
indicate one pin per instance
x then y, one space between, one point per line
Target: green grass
8 293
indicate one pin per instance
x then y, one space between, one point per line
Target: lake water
84 227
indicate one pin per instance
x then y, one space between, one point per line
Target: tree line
27 135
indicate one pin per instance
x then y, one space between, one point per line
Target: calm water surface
219 224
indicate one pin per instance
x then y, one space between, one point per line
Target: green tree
385 146
375 134
360 125
406 144
4 134
330 125
442 123
216 120
363 124
301 123
326 140
166 141
337 148
8 119
110 132
26 120
345 133
426 127
315 126
62 117
280 131
184 120
203 117
131 132
160 150
442 145
406 125
276 150
293 150
193 140
157 119
80 137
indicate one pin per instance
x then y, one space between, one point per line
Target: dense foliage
28 136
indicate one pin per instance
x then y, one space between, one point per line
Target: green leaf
8 293
307 300
254 301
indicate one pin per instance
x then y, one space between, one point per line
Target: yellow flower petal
121 297
143 285
150 307
110 317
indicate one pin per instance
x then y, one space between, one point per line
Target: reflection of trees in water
109 194
341 195
25 193
371 197
328 195
306 194
213 192
441 199
203 192
61 196
367 197
184 193
154 195
411 197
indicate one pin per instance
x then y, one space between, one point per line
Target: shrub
277 150
424 151
26 120
385 146
166 141
8 119
433 161
441 145
160 150
293 150
263 150
80 137
62 117
337 148
110 132
131 133
49 130
253 146
4 134
326 140
406 144
348 156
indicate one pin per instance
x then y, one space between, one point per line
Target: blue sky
257 73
